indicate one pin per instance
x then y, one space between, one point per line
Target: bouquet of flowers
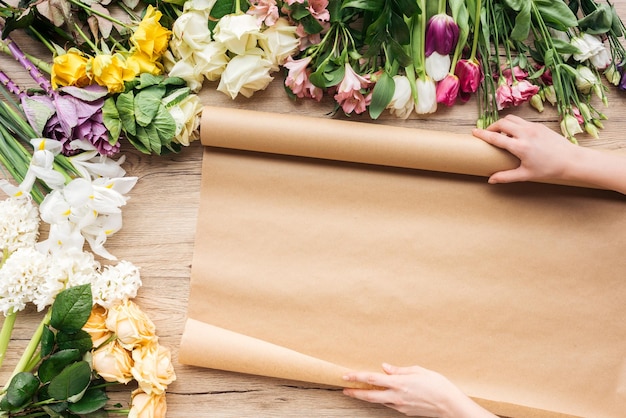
409 56
58 142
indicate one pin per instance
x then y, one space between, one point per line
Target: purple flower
442 34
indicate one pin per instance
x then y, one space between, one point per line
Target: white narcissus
238 33
401 104
246 74
280 42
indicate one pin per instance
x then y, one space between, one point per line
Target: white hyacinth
116 283
19 224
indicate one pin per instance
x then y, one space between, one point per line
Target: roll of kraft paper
305 265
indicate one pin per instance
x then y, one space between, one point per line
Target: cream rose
191 30
280 42
96 326
238 33
211 60
147 406
246 74
186 114
113 363
131 325
152 368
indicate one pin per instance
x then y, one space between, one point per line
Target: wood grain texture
158 236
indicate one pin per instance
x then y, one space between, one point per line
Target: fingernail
346 377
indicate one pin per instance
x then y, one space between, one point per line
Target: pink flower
319 10
504 95
265 11
298 79
516 71
522 91
349 95
470 75
448 90
442 34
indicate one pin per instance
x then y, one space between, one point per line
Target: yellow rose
139 63
147 406
111 71
96 326
150 38
131 325
113 363
70 69
152 368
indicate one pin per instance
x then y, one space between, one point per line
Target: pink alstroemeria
319 10
442 34
470 75
448 90
298 79
349 95
265 11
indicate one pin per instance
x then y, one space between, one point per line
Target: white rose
401 104
191 28
186 114
238 33
246 74
188 72
199 5
280 42
211 60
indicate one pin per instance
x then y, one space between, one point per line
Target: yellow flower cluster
127 348
149 42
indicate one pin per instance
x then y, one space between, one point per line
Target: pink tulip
470 75
448 90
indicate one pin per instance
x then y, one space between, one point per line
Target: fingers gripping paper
325 245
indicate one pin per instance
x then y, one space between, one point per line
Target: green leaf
148 80
616 24
381 95
126 108
47 341
366 5
399 53
406 7
72 381
111 120
176 97
141 141
299 11
54 364
80 340
173 81
165 125
335 76
556 14
597 22
147 103
71 308
92 400
222 7
564 47
311 25
522 22
38 113
22 388
399 29
516 4
22 21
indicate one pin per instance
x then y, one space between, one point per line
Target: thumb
508 176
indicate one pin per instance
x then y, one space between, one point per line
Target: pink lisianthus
298 79
504 95
522 91
349 94
265 11
448 90
515 72
470 75
442 34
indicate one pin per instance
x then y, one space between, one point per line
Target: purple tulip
442 34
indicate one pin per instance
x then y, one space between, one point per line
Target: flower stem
476 30
99 14
31 348
5 334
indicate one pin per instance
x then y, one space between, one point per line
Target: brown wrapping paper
305 267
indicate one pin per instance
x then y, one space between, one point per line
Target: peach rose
153 369
96 326
131 325
147 406
113 363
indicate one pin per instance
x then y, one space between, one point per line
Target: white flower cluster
19 223
31 274
241 51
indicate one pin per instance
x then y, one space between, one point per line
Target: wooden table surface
158 236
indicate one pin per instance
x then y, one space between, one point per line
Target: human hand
543 153
415 391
